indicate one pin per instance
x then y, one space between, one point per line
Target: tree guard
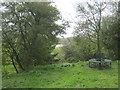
103 62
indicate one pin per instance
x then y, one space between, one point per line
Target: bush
78 48
67 65
72 60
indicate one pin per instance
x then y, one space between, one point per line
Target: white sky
68 12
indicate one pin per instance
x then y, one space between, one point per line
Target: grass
55 76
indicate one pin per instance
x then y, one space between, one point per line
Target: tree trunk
119 30
14 64
98 39
15 53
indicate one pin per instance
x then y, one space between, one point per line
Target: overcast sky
68 12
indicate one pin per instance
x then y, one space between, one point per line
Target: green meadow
77 75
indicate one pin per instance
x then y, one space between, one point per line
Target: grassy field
55 76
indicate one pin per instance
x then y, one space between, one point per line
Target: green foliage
110 36
78 48
92 25
67 65
68 48
59 54
97 33
29 32
72 60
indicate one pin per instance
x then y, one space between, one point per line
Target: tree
78 48
92 24
29 32
110 30
100 27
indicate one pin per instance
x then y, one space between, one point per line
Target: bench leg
89 64
110 64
